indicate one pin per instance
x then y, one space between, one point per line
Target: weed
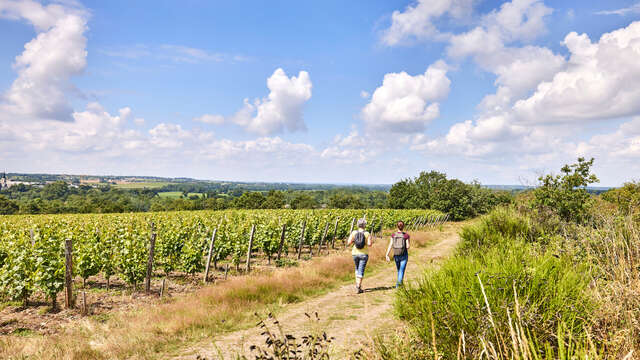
286 262
22 332
279 345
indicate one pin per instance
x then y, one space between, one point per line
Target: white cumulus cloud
405 103
352 148
518 70
601 81
624 143
518 19
281 109
416 21
48 62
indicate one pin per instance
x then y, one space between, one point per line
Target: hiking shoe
360 291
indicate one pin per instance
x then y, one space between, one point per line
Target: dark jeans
361 263
401 265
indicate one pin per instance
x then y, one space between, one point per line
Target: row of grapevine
32 246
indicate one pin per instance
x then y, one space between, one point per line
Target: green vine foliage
118 244
17 276
88 259
49 267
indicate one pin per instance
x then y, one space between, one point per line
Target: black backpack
359 239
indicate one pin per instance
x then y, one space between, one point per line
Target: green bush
566 194
626 198
491 229
432 190
551 289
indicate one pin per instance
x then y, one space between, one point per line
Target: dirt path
349 317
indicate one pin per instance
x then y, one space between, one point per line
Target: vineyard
37 250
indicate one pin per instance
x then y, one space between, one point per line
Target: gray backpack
399 244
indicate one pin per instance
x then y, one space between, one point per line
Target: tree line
61 197
429 190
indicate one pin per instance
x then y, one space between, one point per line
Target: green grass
338 317
176 194
498 254
22 332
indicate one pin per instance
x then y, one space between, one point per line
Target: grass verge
508 293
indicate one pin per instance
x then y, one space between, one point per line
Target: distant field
176 194
142 185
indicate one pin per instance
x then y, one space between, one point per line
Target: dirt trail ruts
351 318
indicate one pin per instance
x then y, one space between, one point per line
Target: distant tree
55 190
377 199
566 194
212 203
403 195
302 200
20 188
275 200
31 207
426 184
8 207
455 198
158 206
250 200
345 201
432 190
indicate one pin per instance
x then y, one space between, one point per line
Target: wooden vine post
152 248
284 228
304 223
373 228
84 303
253 230
211 249
68 273
335 232
324 236
350 231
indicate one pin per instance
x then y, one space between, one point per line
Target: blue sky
326 91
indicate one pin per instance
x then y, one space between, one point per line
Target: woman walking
361 241
399 242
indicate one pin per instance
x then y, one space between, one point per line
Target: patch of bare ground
353 319
38 317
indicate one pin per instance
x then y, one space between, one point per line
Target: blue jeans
401 264
361 262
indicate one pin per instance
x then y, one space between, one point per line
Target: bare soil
39 317
353 319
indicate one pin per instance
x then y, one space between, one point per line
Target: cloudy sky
325 91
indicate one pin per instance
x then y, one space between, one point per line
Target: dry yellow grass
144 333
